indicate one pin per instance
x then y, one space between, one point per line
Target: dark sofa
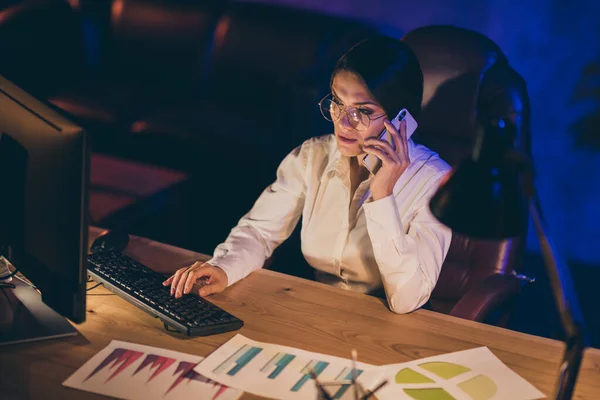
172 79
221 90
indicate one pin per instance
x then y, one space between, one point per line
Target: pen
320 388
354 374
370 393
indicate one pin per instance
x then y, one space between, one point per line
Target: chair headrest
453 61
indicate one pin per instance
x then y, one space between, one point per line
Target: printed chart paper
281 372
475 374
133 371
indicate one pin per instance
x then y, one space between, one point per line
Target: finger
209 289
402 131
198 273
387 149
169 280
379 153
192 277
176 278
384 144
181 283
402 143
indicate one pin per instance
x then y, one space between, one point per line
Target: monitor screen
44 175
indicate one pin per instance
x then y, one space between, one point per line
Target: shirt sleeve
409 260
271 221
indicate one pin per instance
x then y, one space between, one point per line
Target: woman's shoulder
320 142
431 161
313 152
316 153
319 146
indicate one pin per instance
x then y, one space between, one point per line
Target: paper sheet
133 371
281 372
475 374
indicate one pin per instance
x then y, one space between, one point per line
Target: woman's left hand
393 162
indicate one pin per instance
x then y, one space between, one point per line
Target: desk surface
285 310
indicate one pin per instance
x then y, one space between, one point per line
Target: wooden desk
284 310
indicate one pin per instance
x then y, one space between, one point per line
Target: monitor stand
25 318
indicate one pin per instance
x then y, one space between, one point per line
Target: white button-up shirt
394 243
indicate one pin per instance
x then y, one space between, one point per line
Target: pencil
370 393
320 388
354 374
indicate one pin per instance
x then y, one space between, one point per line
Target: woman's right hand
212 280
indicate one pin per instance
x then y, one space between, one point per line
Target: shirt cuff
383 219
228 266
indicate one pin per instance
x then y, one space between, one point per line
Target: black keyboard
141 286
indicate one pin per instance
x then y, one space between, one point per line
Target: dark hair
390 70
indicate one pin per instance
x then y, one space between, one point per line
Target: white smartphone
373 163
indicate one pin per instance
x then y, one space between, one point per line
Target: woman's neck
358 173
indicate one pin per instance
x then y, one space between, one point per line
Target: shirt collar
337 163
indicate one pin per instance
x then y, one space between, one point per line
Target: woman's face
349 91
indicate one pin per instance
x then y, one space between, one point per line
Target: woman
363 232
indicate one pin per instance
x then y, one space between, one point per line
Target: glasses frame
345 110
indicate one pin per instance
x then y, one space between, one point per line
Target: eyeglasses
358 118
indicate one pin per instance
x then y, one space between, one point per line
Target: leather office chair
477 280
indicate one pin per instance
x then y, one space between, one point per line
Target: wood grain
289 311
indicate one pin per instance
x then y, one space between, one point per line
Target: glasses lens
332 112
358 120
329 109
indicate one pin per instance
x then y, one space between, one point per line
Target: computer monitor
44 175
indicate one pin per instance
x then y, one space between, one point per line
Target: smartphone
373 163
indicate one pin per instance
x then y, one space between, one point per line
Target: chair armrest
487 296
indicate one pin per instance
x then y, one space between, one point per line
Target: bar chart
281 372
131 371
238 360
277 364
316 366
345 375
